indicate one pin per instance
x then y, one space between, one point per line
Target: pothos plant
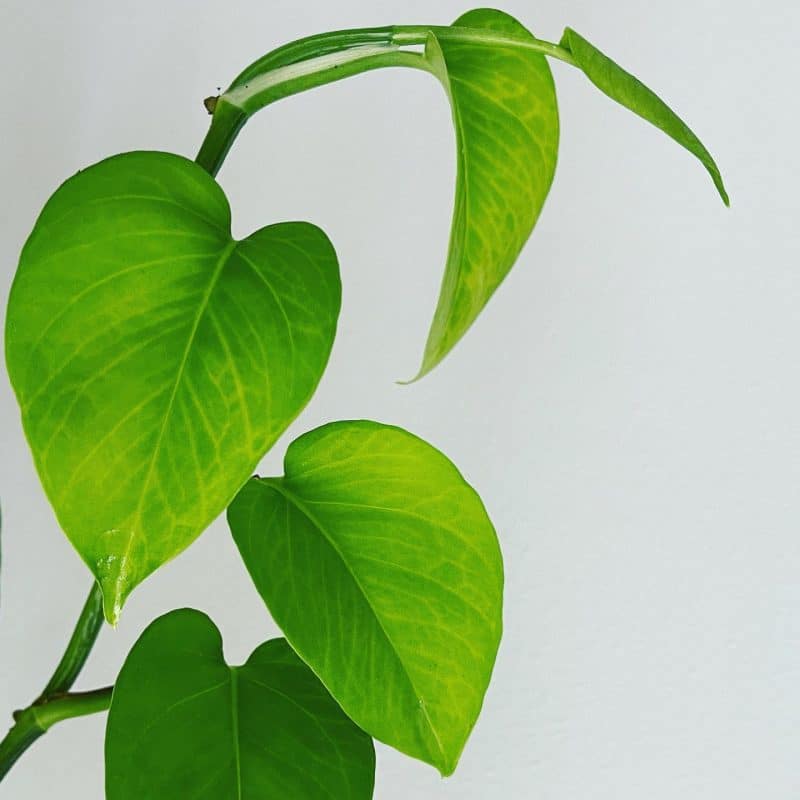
156 360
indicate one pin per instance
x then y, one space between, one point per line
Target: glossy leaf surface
183 724
382 568
630 92
506 121
155 359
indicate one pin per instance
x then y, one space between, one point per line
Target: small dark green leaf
630 92
381 566
506 121
155 358
183 724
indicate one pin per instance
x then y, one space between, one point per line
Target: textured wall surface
627 405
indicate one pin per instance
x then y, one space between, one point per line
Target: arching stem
328 57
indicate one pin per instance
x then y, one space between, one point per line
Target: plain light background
627 405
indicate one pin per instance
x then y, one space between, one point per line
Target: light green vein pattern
183 724
382 568
506 121
155 359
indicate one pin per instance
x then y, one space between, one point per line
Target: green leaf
621 86
381 566
506 121
155 358
183 724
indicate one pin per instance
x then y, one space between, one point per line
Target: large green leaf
381 566
183 724
155 358
506 121
630 92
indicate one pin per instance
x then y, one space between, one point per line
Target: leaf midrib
213 281
237 756
278 485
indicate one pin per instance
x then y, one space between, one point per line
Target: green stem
34 721
233 108
226 122
418 34
329 57
80 644
54 704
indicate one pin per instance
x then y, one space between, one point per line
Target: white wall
627 406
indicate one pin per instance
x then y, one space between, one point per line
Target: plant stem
418 34
233 108
80 645
328 57
32 722
54 704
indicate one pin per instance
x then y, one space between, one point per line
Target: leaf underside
379 563
183 724
506 121
155 359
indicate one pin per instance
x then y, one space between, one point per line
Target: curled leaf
630 92
506 121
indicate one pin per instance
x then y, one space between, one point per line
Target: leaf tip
112 608
431 359
114 576
114 596
447 770
426 366
719 184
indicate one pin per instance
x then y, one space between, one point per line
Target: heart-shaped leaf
183 724
630 92
382 568
506 121
155 358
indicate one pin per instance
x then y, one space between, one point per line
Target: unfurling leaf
183 724
382 568
155 358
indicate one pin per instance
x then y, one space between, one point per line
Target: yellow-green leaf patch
506 121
